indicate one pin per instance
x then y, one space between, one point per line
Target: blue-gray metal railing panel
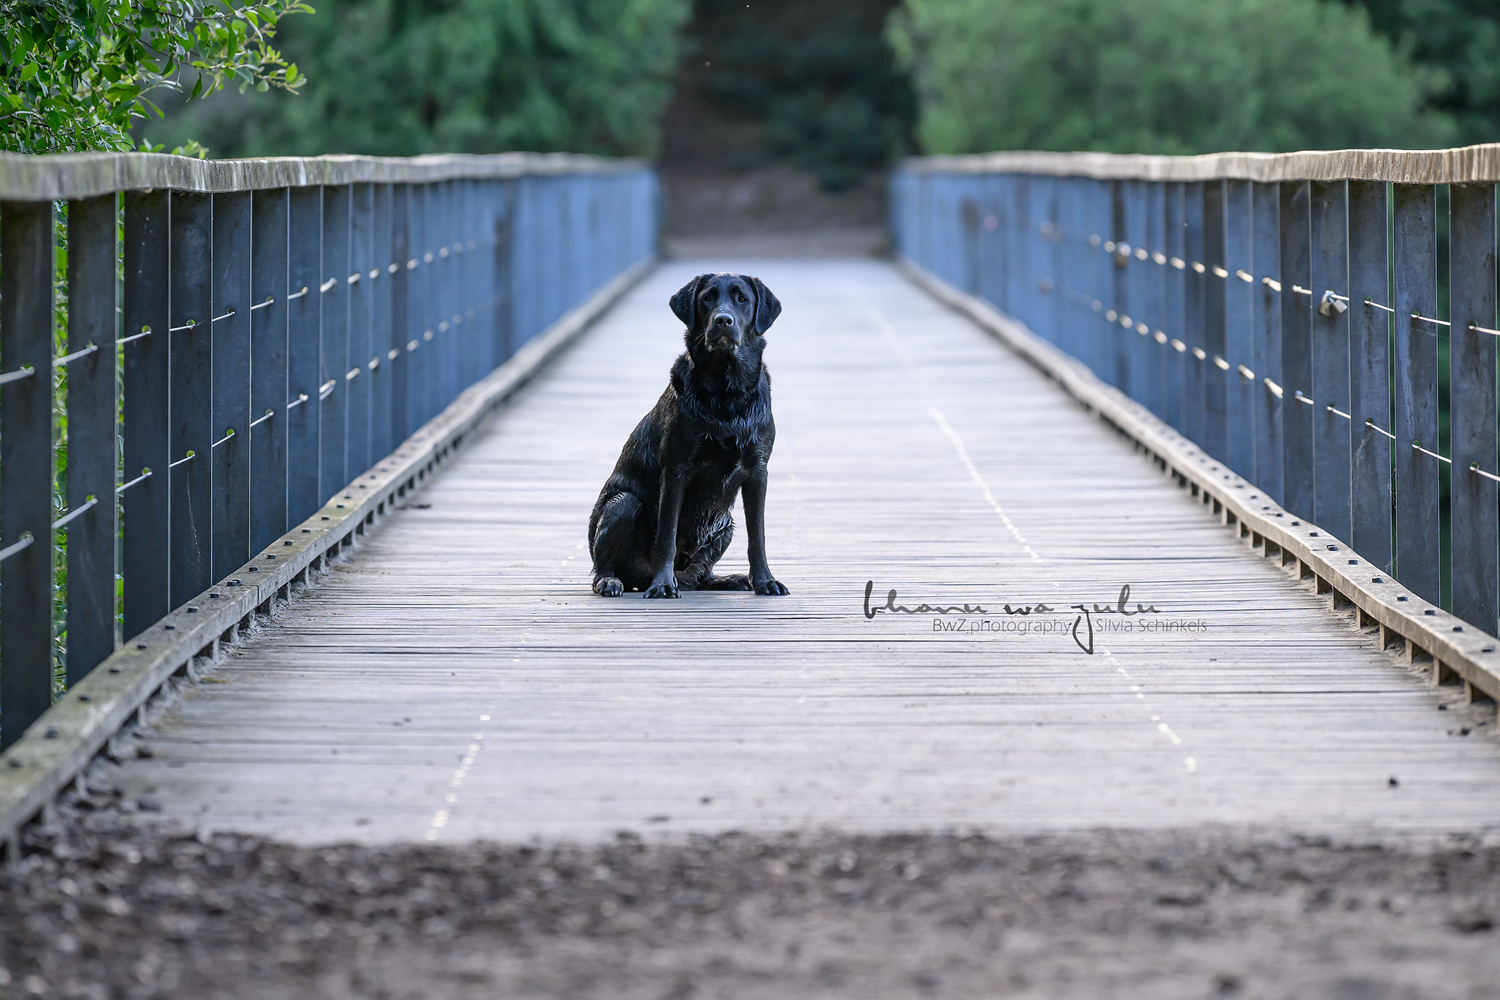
281 324
1283 312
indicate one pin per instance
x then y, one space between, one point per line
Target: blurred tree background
1165 76
1459 41
783 114
812 84
400 77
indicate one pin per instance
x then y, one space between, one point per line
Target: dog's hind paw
608 586
662 590
771 587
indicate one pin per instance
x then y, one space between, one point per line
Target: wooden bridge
1020 599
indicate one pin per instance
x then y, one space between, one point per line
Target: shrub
1159 76
1458 39
74 74
399 77
819 78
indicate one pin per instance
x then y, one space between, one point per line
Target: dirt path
101 910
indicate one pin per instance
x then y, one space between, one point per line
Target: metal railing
1313 321
243 339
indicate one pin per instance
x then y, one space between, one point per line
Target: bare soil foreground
104 910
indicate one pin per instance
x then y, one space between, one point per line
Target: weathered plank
455 678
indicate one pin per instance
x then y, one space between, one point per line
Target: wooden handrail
1468 164
86 175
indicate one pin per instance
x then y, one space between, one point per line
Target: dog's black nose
723 319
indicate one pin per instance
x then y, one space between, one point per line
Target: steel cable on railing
1330 300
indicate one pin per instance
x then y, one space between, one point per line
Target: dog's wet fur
664 518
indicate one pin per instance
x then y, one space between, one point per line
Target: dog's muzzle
722 327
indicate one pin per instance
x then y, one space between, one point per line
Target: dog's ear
684 303
767 306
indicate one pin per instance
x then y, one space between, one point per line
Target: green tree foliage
819 77
1460 39
1159 76
74 74
400 77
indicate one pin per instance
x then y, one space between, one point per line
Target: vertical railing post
1215 365
230 443
1195 399
968 243
524 287
1118 300
449 325
192 415
382 353
1134 328
1417 525
304 318
400 320
421 331
268 368
1265 329
1069 279
334 419
1471 304
359 376
1328 271
1155 337
1050 284
478 335
474 358
1174 317
146 379
989 244
1022 248
504 236
1370 373
1241 390
1003 256
92 533
437 298
1296 350
26 457
1102 333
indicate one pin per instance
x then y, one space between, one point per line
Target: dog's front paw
771 587
663 590
608 586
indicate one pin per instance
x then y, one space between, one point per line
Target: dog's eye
739 297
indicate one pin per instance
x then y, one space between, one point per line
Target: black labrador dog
663 518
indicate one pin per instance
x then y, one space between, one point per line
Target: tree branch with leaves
77 74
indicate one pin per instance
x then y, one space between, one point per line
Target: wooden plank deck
455 678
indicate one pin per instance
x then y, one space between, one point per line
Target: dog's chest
728 462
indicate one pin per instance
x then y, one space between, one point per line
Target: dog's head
723 311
